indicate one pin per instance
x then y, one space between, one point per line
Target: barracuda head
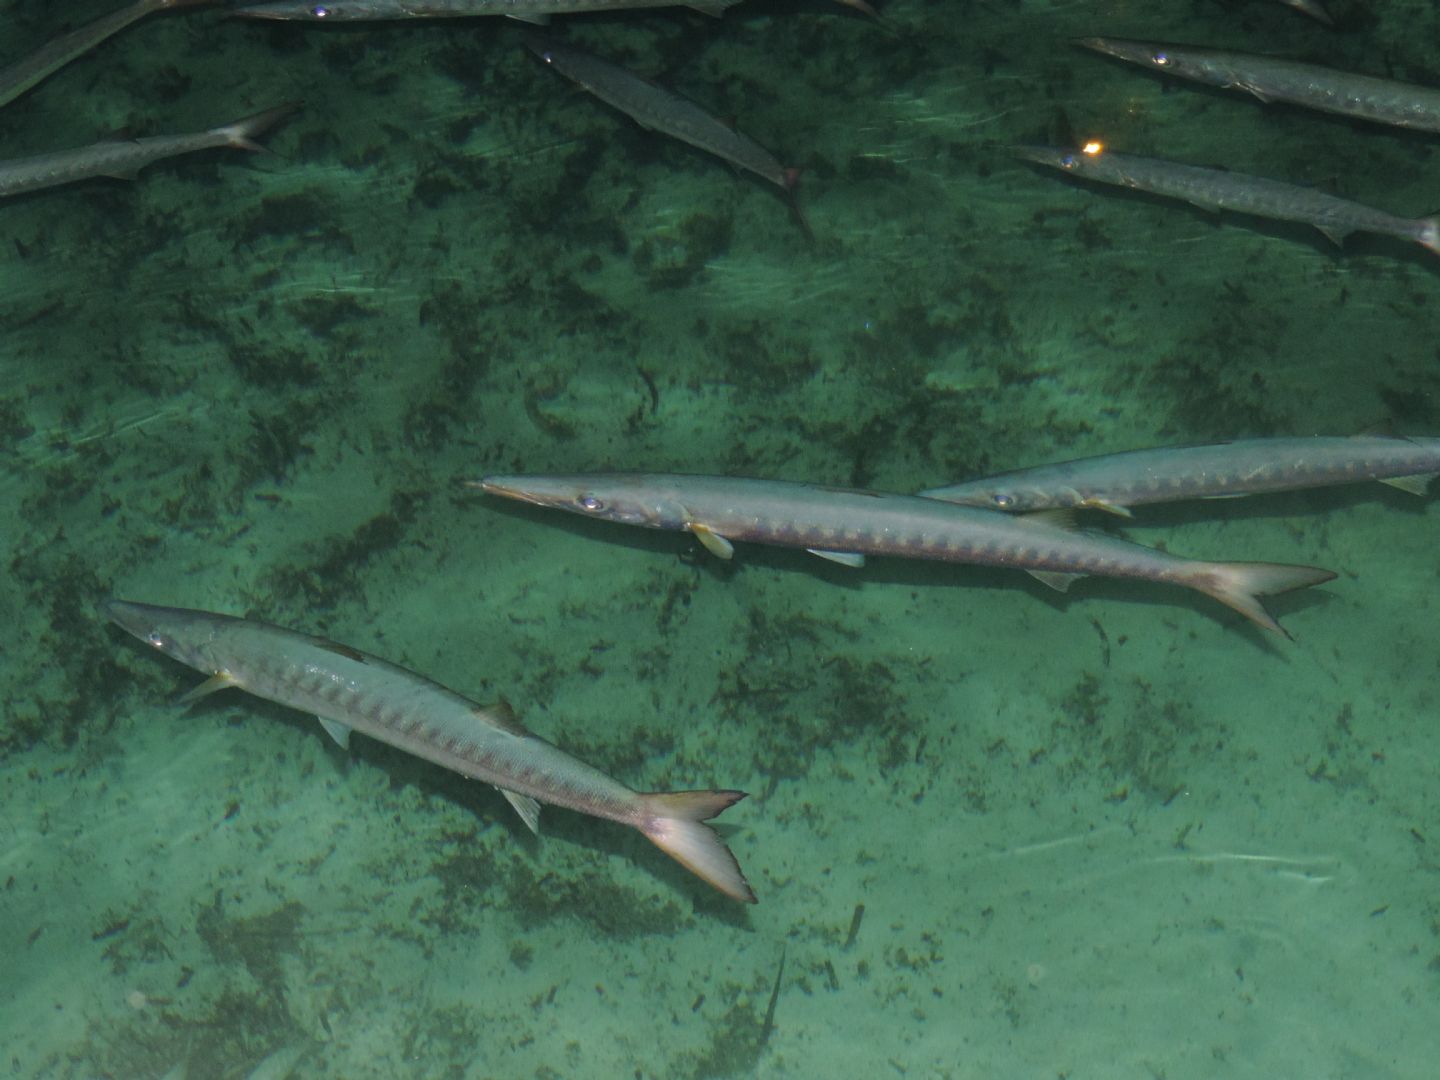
1144 53
177 632
629 498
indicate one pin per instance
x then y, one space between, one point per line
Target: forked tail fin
242 134
1239 585
674 823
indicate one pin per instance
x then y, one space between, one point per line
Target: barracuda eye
590 503
1160 59
1068 161
1002 501
320 11
160 641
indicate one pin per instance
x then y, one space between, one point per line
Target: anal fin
337 731
852 559
1415 485
1056 579
526 807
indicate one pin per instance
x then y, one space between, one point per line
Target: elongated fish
665 111
1218 189
1115 482
351 690
531 11
1311 86
845 525
50 58
123 158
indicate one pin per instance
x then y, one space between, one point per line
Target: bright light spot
1093 148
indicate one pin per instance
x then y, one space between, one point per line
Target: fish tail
1240 585
674 823
242 133
1430 233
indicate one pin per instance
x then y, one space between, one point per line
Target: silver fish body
1115 482
55 54
351 690
1219 189
123 158
845 525
1311 86
662 110
533 11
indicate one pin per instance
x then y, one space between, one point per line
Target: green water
1115 834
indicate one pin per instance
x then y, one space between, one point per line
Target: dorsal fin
342 650
501 717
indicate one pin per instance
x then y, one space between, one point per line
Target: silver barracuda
1218 189
123 158
1311 86
846 525
531 11
1115 482
351 690
657 109
51 57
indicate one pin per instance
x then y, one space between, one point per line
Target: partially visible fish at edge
121 159
28 71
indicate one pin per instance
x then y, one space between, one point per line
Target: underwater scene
487 387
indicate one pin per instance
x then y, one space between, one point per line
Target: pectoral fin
219 681
1415 485
1058 581
538 20
337 731
526 807
852 559
714 543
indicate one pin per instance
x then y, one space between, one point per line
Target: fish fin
1057 580
1060 517
501 717
1250 88
122 174
538 20
221 680
673 822
714 543
526 807
1108 506
852 559
337 731
861 6
242 133
713 10
1335 236
1415 485
1430 233
1240 585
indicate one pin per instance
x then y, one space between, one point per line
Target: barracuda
123 158
1218 189
351 690
846 525
1311 86
1115 482
531 11
51 57
657 109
